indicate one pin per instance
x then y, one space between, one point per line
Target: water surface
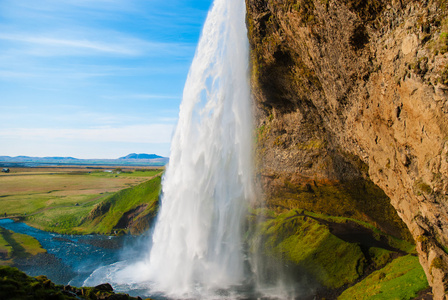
71 259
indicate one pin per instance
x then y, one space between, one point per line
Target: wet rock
106 287
347 91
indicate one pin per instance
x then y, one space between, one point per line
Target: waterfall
197 238
197 249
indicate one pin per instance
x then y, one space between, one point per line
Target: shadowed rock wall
351 100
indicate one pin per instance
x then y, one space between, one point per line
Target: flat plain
57 194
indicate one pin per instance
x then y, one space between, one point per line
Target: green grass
393 241
60 201
63 219
136 173
16 245
310 245
402 279
360 200
146 193
303 239
85 217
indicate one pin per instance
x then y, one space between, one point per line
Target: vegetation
106 216
357 199
402 279
58 201
15 245
339 252
305 241
305 8
311 241
15 284
90 217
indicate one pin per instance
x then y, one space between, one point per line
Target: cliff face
352 101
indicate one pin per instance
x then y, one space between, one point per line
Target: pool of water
90 260
71 259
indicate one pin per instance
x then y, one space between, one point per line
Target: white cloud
134 46
13 74
141 97
151 133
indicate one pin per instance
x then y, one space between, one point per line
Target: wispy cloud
142 97
118 67
111 43
96 46
14 74
152 133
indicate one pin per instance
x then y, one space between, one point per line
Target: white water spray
197 249
197 243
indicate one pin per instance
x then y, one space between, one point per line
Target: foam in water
197 247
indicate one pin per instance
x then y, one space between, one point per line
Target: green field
70 200
58 199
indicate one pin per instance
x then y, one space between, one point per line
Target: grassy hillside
129 210
403 278
338 253
25 193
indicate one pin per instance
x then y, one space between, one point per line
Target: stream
71 259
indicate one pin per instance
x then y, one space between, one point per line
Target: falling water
197 241
197 238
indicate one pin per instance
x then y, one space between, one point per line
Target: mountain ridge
141 156
130 159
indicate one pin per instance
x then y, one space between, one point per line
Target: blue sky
94 78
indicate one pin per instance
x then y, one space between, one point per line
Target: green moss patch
334 251
310 245
357 199
402 279
15 284
16 245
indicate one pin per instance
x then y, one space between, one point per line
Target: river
71 259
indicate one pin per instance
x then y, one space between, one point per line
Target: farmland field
63 194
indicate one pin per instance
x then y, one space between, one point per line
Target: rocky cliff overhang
350 90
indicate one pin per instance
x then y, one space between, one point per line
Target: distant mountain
60 157
131 159
32 159
141 156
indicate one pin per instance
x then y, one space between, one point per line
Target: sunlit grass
146 194
16 245
402 279
27 194
62 219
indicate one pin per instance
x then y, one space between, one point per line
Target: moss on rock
401 279
15 284
306 241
